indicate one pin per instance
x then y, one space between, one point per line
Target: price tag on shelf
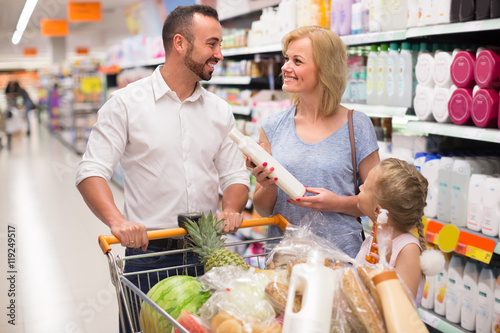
437 29
472 26
430 319
474 133
476 247
433 229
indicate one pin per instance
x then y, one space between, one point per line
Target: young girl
398 187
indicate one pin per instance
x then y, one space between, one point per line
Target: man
170 136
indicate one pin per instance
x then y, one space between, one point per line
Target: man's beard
196 67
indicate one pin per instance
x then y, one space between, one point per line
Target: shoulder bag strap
353 156
353 151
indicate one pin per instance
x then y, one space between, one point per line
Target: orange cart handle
106 240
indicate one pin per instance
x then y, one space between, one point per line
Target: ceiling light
24 18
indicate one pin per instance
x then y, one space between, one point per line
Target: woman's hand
261 172
323 201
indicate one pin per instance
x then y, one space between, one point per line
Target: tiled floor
60 277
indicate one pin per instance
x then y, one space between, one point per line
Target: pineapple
209 243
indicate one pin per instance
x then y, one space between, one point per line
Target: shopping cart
131 298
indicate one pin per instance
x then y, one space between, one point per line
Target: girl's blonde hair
402 190
330 56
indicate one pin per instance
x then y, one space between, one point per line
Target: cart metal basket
131 299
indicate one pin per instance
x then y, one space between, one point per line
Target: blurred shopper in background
13 91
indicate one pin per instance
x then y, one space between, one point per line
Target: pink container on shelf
487 69
460 106
462 69
485 108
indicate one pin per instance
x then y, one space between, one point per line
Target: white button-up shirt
175 155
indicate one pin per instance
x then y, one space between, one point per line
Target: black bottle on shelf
483 9
467 10
455 11
495 9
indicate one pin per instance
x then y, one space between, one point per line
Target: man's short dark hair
180 21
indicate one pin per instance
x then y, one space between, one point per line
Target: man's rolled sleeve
106 143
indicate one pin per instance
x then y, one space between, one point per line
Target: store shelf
142 63
232 80
241 110
378 111
269 48
469 243
442 29
458 131
438 322
375 37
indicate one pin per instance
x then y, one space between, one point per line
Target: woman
311 140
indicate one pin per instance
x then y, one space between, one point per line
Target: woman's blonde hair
402 190
330 56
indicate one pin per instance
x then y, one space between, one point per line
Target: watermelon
173 294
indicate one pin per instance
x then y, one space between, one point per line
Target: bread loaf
360 303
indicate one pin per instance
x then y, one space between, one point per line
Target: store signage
82 50
84 11
90 85
54 27
30 51
466 243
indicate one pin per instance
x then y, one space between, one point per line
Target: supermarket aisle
59 281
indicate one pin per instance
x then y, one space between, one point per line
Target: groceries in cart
308 285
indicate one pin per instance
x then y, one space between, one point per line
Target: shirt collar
160 87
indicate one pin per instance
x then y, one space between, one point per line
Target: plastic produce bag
241 294
298 241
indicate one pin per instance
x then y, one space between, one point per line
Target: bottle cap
394 46
405 46
382 216
374 48
384 47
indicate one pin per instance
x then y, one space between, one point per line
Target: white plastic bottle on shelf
440 100
371 75
398 10
485 300
357 18
427 301
444 192
469 295
345 7
454 288
393 75
362 86
441 9
382 74
427 15
460 179
405 76
335 16
425 66
423 102
412 19
441 73
419 160
491 207
440 291
475 205
496 307
430 171
314 280
286 181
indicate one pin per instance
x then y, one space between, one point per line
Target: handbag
353 156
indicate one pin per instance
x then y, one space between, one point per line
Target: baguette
361 305
364 275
